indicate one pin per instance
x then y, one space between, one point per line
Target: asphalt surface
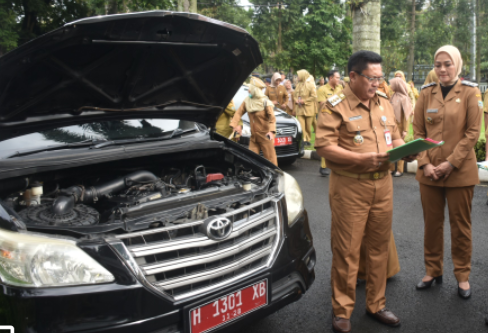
439 309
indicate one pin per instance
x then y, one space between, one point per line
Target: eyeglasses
380 79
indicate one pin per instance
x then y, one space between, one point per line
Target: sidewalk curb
411 167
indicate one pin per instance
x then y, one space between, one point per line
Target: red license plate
283 141
228 308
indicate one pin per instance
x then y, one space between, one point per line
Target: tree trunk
366 26
411 46
188 6
279 29
478 42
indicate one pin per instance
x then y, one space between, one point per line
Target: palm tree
365 25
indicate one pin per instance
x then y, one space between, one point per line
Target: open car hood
142 65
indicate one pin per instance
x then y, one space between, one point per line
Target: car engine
126 202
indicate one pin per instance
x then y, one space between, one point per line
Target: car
121 210
289 143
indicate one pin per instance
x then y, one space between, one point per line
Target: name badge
388 140
355 118
432 110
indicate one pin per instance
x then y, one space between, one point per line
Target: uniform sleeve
419 128
328 127
238 115
271 118
266 93
473 124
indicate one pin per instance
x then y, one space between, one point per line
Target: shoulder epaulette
428 85
382 94
336 99
469 83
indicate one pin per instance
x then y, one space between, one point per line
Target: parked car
120 210
289 143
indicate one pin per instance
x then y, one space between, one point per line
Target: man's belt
368 175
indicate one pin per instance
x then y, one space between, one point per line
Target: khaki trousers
265 145
393 265
323 165
459 200
306 123
314 123
367 220
399 166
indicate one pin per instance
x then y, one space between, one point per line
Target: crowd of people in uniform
356 121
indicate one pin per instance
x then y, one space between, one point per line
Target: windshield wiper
176 132
84 143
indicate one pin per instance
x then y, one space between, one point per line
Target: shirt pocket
356 134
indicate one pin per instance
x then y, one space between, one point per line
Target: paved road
435 310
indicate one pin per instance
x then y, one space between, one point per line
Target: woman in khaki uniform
277 93
448 111
290 102
261 118
305 103
403 109
411 95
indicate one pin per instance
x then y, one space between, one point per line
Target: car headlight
293 195
37 261
246 130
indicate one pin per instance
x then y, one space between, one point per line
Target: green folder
412 148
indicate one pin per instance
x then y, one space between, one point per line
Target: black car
120 209
289 143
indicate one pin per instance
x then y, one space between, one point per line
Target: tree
9 31
315 35
227 11
366 20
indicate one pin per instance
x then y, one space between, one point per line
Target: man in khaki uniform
261 118
323 93
277 93
305 97
355 129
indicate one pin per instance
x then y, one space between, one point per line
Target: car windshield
136 129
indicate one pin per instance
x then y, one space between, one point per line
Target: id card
388 138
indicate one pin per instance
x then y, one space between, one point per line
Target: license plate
283 141
228 308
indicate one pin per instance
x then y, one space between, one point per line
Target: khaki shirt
485 112
277 94
326 92
309 100
455 120
338 125
261 122
222 126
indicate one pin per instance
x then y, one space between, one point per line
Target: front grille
290 149
180 261
286 131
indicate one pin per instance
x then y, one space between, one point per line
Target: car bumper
134 308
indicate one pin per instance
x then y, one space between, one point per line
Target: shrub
479 149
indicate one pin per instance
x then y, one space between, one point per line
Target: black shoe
464 293
427 285
324 172
307 144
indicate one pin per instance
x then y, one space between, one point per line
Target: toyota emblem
217 228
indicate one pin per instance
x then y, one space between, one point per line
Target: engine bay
136 194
